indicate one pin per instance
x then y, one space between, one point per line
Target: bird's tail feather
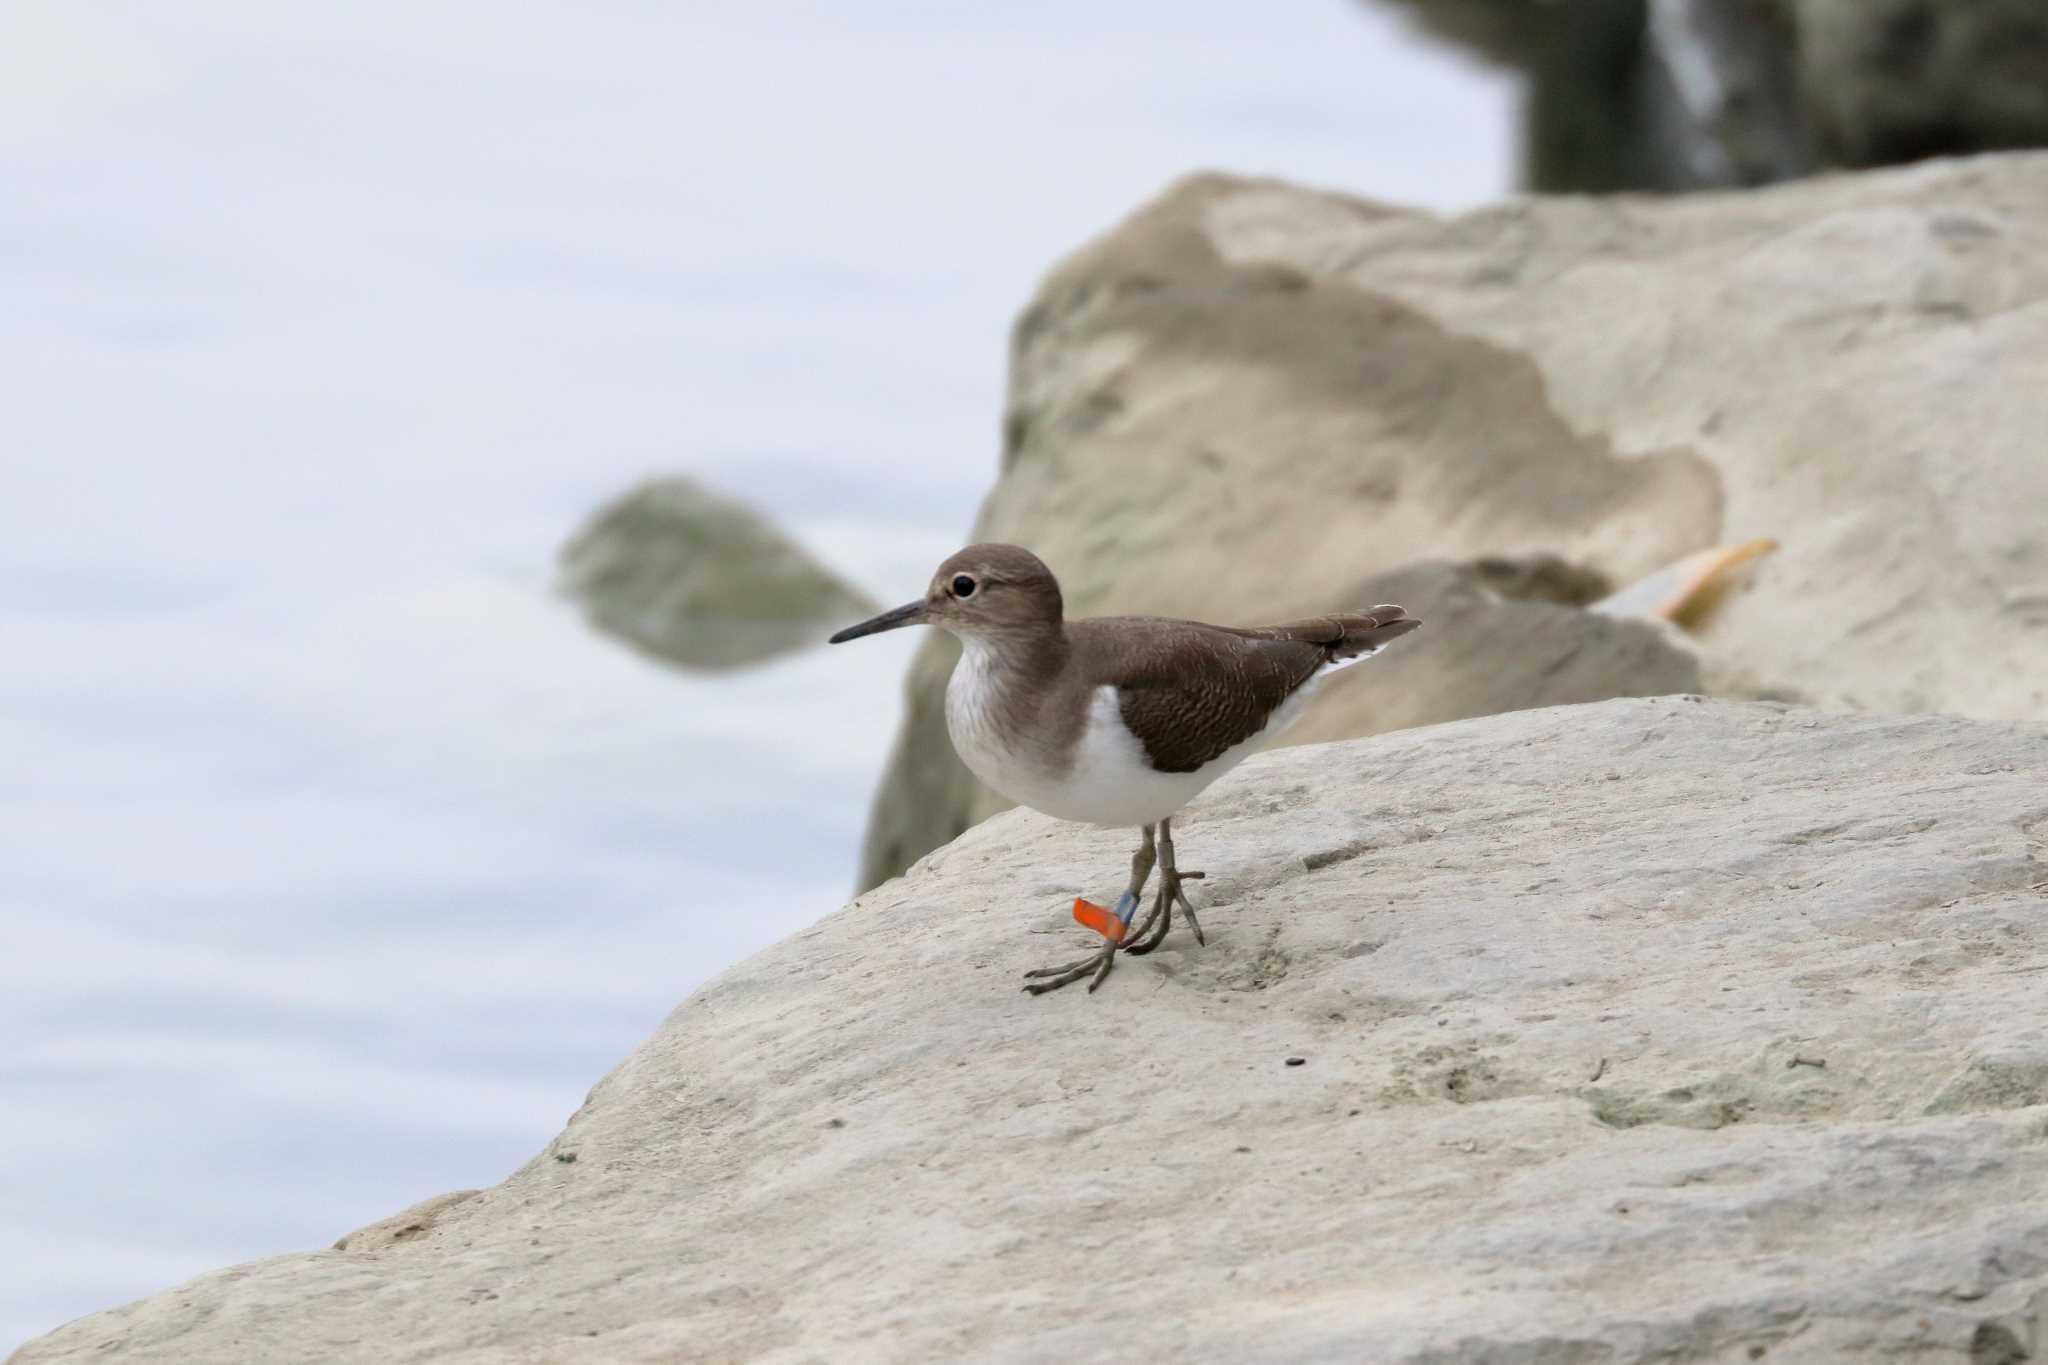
1345 637
1367 632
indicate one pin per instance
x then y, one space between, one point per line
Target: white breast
970 720
1109 780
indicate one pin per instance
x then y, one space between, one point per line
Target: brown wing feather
1345 635
1190 691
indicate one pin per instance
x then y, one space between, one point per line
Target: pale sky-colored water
338 859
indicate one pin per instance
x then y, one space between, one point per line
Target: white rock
1658 1029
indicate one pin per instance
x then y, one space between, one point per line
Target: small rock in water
697 579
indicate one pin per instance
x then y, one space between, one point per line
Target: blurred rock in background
1691 94
697 579
1251 402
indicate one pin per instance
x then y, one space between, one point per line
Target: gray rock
1894 80
1649 1030
1484 652
1692 94
1661 95
1250 397
697 579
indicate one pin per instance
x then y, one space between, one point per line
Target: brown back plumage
1190 691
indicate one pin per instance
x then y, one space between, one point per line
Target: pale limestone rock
1648 1030
1250 397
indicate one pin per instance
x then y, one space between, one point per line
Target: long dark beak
909 614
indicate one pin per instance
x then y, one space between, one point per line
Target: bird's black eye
963 586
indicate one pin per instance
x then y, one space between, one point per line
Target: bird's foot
1097 963
1148 935
1168 896
1170 893
1115 925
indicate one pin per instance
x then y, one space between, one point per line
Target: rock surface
1653 1029
1250 397
697 579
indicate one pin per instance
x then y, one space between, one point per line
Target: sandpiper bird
1119 720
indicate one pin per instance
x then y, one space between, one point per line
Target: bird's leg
1170 878
1146 936
1169 895
1052 978
1141 871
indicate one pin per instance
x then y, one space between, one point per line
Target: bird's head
984 591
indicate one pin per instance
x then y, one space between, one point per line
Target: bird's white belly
1107 781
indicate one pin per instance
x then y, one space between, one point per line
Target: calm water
338 859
